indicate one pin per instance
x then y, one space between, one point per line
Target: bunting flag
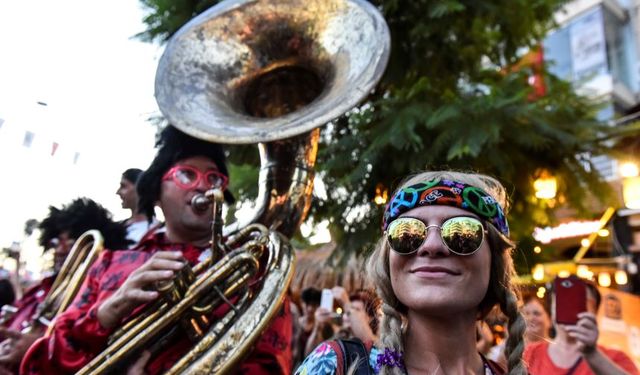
54 148
1 122
28 139
42 146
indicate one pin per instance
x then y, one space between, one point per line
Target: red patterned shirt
28 304
78 336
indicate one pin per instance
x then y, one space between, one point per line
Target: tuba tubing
221 354
233 272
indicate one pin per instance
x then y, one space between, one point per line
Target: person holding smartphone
442 263
574 350
359 318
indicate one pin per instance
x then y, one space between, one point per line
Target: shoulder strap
353 351
493 366
338 349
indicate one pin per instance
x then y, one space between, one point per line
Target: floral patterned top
323 360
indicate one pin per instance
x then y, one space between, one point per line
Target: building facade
597 47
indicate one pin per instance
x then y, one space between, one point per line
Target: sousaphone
267 72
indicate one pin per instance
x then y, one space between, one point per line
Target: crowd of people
442 275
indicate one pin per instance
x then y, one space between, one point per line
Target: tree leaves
448 99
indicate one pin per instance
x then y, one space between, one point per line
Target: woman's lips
434 269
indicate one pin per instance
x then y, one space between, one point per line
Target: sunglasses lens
463 235
186 176
405 235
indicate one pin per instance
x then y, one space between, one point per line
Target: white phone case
326 300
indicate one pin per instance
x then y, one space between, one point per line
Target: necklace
485 366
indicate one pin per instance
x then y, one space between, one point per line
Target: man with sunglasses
58 233
122 282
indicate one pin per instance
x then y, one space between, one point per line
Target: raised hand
340 294
585 332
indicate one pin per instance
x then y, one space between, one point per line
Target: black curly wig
174 146
79 216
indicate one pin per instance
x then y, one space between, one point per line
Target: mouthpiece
200 202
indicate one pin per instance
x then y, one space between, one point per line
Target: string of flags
53 147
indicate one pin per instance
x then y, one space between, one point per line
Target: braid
391 336
515 344
391 324
502 291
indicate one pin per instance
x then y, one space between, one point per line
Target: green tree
449 98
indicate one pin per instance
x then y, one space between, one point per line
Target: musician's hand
15 346
136 290
137 368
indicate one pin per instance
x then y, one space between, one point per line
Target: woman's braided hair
501 290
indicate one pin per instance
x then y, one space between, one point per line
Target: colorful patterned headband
446 193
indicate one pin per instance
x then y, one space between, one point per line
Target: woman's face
538 322
435 281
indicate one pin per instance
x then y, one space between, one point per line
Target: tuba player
121 282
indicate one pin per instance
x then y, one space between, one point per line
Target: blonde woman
443 262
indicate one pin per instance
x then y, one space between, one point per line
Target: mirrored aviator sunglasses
462 235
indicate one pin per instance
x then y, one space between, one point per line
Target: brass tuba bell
268 72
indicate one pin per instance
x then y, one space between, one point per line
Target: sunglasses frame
170 175
427 227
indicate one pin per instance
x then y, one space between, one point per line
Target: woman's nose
433 245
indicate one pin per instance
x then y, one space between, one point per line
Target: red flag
537 79
533 60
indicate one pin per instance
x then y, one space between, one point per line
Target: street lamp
621 277
628 169
382 194
546 186
538 272
604 279
631 192
630 184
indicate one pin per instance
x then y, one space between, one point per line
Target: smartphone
570 299
326 299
